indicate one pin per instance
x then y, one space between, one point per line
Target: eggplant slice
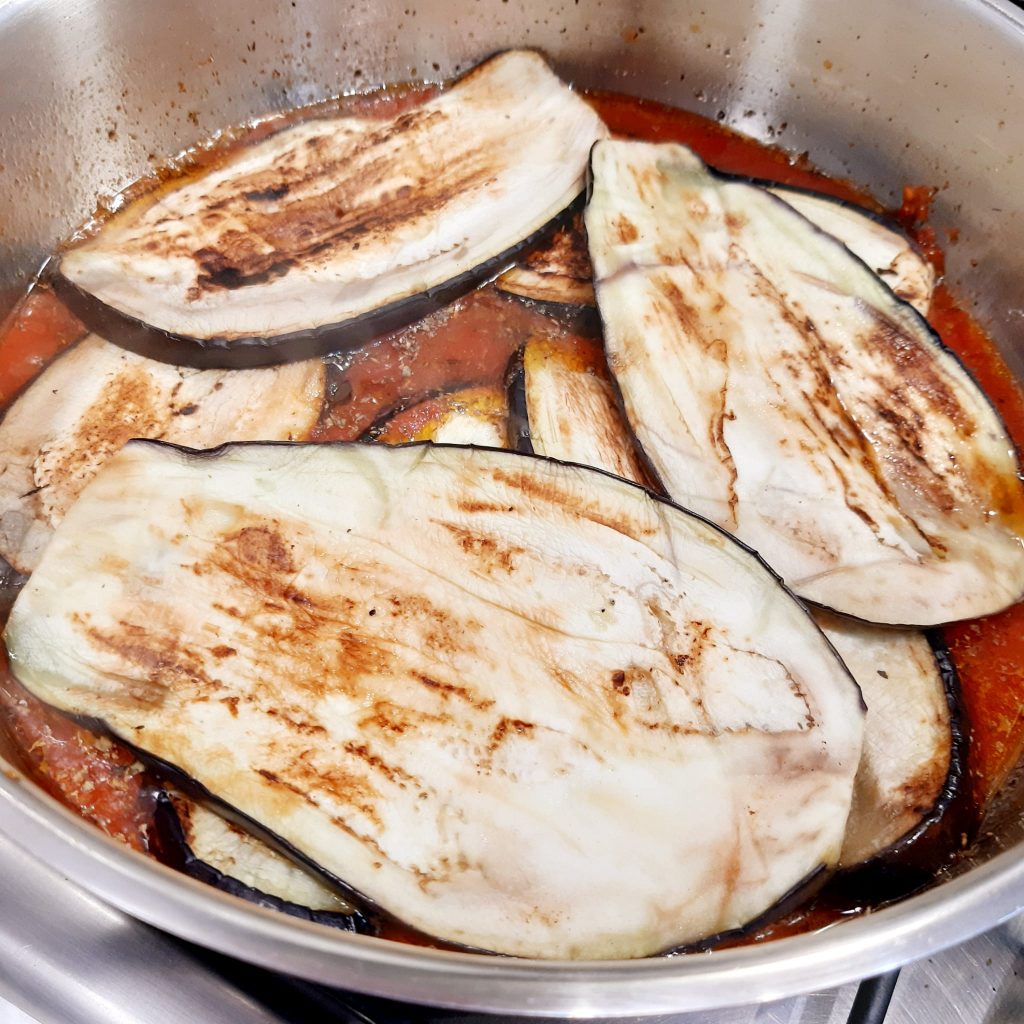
558 272
909 770
198 841
570 408
94 397
337 229
910 767
779 388
882 246
522 705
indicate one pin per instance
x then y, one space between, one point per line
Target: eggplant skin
335 230
169 841
318 635
781 389
880 245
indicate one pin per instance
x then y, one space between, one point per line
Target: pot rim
952 912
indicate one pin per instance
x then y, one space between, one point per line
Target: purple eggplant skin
519 439
247 353
167 839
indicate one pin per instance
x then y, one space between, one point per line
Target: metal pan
927 92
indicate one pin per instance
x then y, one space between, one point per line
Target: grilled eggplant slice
779 388
911 764
197 840
569 406
883 247
525 706
558 272
337 229
96 396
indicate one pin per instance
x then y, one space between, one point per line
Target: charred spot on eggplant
781 389
665 683
336 230
558 272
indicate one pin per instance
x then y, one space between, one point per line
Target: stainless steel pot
923 92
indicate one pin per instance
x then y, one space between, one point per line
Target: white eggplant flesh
94 397
572 412
237 854
908 774
885 249
330 220
780 389
523 705
904 777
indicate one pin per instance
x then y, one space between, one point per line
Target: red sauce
468 345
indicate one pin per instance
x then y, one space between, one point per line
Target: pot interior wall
928 93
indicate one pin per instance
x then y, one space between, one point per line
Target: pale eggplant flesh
335 230
192 838
83 407
911 765
893 256
463 681
566 408
780 389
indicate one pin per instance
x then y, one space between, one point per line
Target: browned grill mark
159 659
553 493
447 690
509 727
231 703
625 231
565 255
485 549
262 548
222 651
716 349
393 773
265 242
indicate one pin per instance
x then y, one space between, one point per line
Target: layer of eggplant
563 405
779 388
95 396
914 744
558 272
326 652
198 841
881 245
336 230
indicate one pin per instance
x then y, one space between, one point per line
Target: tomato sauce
469 345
